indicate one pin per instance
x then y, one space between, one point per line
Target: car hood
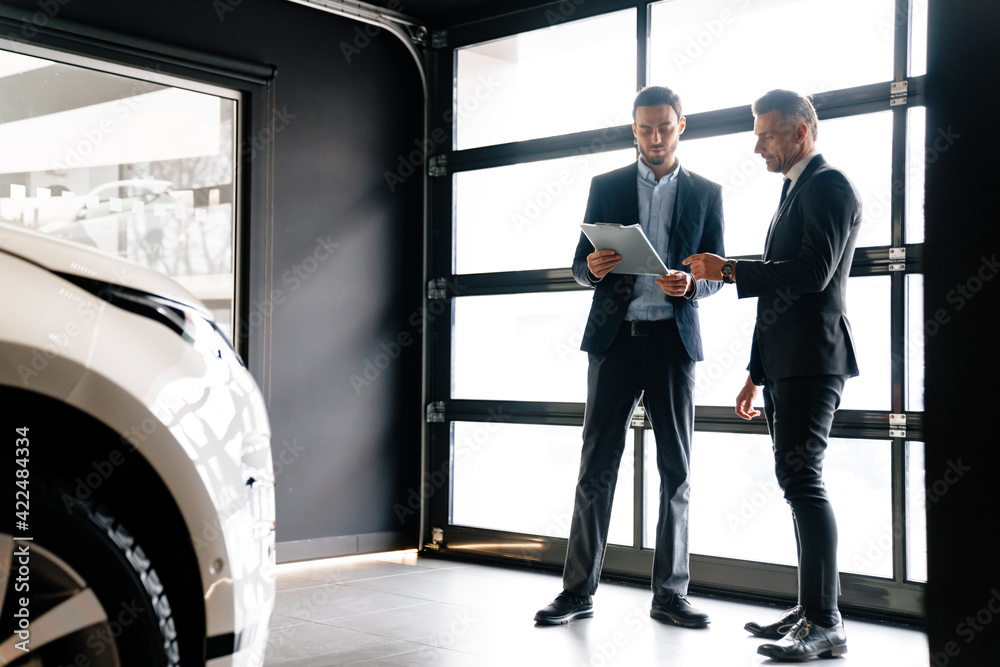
69 258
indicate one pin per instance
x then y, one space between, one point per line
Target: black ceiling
446 13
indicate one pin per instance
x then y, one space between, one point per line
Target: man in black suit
801 353
642 338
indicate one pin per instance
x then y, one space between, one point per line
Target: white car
137 520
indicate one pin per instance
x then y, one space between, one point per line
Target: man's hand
675 283
745 399
705 266
600 262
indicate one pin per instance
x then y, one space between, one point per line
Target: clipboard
638 255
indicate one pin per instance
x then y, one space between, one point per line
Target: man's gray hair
791 106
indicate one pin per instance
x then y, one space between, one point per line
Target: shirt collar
797 168
646 174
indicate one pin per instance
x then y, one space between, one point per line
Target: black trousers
659 369
799 413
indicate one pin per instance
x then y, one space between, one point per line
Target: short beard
651 160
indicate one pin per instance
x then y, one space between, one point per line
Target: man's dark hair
654 96
791 106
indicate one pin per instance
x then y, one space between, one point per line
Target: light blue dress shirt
656 211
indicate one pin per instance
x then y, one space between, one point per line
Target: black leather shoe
565 608
677 610
807 640
779 628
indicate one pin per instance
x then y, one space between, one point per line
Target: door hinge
437 288
897 425
638 417
897 93
438 165
435 412
437 539
897 259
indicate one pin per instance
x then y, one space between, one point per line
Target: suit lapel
677 227
780 214
630 185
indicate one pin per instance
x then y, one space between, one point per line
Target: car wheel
81 591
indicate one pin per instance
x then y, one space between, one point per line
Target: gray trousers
659 369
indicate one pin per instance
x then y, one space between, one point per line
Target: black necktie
774 219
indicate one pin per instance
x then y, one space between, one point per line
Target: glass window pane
858 476
915 329
733 42
916 164
574 76
140 170
491 459
727 328
868 312
918 37
734 495
862 147
520 347
916 516
726 331
735 498
749 193
525 216
859 145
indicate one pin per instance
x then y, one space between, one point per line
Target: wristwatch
729 272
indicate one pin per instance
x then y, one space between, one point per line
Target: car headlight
186 322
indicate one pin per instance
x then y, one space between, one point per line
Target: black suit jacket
697 226
801 282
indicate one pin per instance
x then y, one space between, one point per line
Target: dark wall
340 272
961 289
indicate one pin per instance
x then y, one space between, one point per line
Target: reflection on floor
398 609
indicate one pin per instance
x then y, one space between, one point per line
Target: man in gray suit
801 353
643 339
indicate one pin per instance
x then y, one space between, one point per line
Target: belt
649 327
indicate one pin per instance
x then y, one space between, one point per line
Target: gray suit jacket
801 282
697 227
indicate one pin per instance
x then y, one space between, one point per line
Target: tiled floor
398 609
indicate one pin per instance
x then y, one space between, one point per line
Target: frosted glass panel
737 44
520 347
735 499
916 512
860 146
525 216
868 312
577 75
522 478
916 329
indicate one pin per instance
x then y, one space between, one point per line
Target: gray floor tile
435 657
311 645
398 609
460 587
324 601
285 582
433 623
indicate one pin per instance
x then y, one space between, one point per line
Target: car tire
95 597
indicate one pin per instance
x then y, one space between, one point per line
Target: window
554 111
130 165
520 478
735 499
505 91
740 43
